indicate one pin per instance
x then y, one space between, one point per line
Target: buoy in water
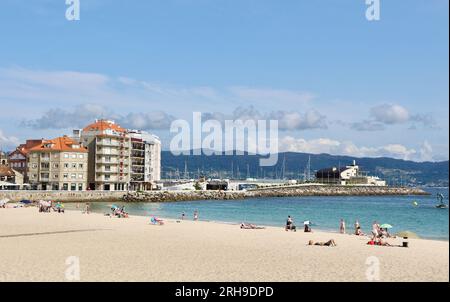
415 203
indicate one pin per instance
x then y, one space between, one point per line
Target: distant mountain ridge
394 171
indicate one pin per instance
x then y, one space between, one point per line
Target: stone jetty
172 196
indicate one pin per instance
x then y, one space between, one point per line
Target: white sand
112 249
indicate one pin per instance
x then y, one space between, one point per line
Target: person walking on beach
183 215
195 215
87 208
357 226
342 226
375 230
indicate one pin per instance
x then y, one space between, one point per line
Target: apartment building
145 160
58 164
109 147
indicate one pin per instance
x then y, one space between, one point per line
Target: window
107 177
80 187
73 176
80 166
74 166
66 166
65 187
55 176
66 155
81 156
34 155
74 155
73 187
56 166
80 176
66 176
34 166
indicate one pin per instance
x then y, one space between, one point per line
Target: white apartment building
145 160
109 148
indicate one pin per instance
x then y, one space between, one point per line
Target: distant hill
394 171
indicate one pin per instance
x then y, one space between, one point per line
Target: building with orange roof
109 163
17 159
58 164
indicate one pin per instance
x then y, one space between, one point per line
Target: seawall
172 196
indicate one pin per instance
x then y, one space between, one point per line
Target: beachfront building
347 175
109 160
145 160
17 159
58 164
3 158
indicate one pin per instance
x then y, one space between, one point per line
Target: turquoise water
323 212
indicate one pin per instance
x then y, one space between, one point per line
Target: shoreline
111 249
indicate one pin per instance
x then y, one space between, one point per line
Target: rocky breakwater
293 191
171 196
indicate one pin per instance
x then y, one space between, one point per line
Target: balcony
112 161
113 152
107 171
102 142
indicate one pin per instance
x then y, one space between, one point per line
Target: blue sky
340 83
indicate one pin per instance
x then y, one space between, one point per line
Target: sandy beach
35 246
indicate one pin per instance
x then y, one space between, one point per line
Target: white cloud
85 114
367 125
390 114
287 120
334 147
8 142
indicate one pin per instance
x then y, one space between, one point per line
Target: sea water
324 212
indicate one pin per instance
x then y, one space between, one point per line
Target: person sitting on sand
308 228
359 232
330 242
290 224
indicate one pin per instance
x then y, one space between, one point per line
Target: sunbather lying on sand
328 243
249 226
156 221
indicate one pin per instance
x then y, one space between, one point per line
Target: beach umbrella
407 234
386 226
